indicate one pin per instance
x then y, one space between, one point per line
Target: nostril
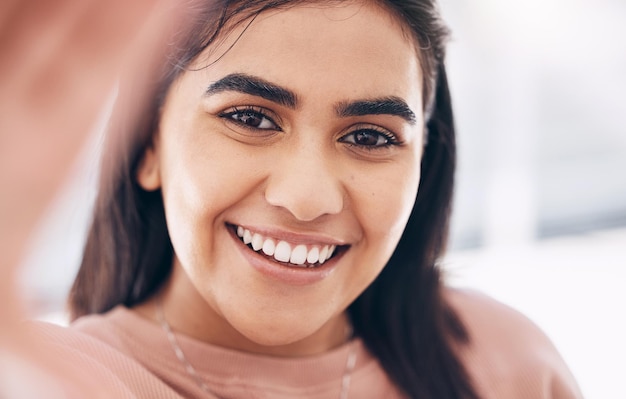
304 200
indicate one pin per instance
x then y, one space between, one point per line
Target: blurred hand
60 60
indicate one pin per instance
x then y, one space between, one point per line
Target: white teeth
298 255
257 241
283 252
324 254
313 256
247 237
269 247
331 251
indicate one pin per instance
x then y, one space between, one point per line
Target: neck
188 313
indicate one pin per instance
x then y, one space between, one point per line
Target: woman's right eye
250 118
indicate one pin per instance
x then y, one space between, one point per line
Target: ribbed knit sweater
127 356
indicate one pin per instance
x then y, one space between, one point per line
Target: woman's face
288 167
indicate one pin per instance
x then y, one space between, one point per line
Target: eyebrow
394 106
254 86
259 87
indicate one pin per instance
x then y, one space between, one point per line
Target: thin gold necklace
345 380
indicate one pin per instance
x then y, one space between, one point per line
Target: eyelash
390 139
257 112
250 112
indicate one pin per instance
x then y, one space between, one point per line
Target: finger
52 99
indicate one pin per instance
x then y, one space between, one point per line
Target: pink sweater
131 357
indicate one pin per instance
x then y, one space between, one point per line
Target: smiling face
288 170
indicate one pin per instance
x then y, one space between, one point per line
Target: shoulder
85 361
508 356
90 348
87 332
94 336
487 318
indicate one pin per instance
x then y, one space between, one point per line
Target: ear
148 172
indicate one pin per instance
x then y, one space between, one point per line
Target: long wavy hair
402 316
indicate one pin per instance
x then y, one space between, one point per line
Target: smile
290 254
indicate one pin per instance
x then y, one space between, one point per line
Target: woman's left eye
251 118
368 138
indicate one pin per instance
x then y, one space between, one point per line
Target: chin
303 334
275 339
265 340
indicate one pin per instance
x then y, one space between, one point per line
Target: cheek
384 205
381 201
199 184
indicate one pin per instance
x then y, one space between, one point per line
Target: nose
305 182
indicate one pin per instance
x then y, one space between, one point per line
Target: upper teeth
282 251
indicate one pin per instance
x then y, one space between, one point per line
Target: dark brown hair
402 316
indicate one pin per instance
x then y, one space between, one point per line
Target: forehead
355 47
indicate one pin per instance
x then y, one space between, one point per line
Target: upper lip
306 238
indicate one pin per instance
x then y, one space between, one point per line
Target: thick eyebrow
394 106
254 86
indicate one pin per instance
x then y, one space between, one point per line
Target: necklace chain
171 337
178 351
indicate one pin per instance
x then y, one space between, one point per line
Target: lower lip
292 275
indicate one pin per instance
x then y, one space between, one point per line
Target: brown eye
251 118
367 138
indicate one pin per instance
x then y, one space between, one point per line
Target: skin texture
304 178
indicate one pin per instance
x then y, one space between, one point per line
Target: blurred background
539 88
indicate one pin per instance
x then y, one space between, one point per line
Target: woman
271 224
